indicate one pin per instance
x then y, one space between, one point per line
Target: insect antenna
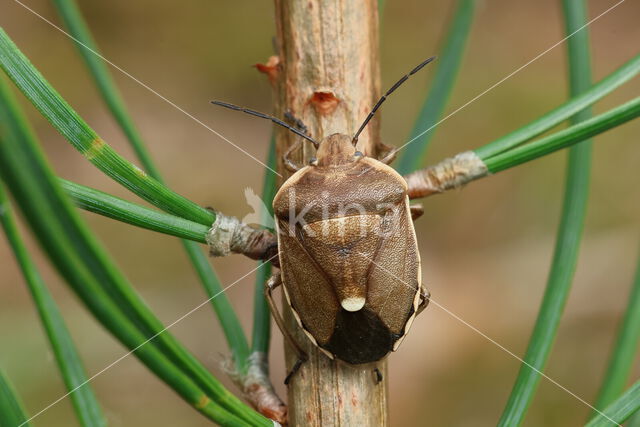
389 92
266 116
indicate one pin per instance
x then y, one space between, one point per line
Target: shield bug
350 266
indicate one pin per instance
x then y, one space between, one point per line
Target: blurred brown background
486 249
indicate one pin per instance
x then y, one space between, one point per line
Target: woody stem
329 78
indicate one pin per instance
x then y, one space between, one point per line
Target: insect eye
358 154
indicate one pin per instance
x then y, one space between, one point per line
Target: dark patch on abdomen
360 337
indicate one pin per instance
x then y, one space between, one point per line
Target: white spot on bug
353 303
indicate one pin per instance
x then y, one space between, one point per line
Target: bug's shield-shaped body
349 257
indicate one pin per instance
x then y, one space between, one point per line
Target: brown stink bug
349 259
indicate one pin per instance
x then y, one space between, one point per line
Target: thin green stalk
620 409
448 64
622 75
261 313
634 420
60 114
564 138
55 231
625 350
228 320
85 265
72 17
84 400
116 208
87 48
565 256
12 413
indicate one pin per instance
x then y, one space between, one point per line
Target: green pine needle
84 400
87 48
564 138
449 60
116 208
60 114
553 118
82 261
261 312
98 70
625 351
12 413
565 256
619 410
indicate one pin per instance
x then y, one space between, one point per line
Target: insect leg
288 163
273 282
389 156
293 371
298 124
424 299
416 211
378 375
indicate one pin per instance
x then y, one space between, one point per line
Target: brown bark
328 77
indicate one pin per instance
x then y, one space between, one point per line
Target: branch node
257 387
453 172
227 234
